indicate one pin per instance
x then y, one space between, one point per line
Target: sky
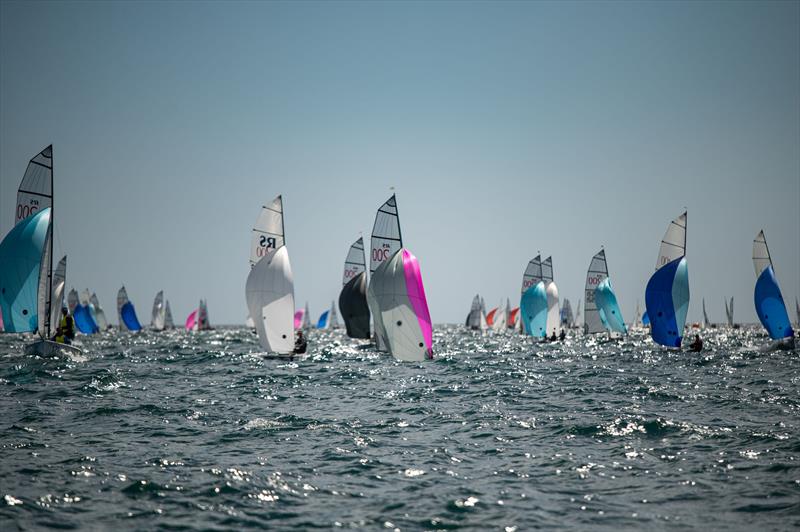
505 128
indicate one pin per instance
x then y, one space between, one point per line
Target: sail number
23 211
349 273
380 255
594 280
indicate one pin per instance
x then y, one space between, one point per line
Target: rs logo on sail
266 243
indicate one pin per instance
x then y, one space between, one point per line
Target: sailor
562 336
300 344
697 345
66 328
553 336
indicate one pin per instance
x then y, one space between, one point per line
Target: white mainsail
59 282
706 321
333 318
761 257
102 322
597 273
169 323
158 316
268 234
355 262
673 245
385 242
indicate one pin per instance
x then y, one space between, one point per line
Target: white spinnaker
59 282
157 316
169 323
268 234
122 298
761 257
547 270
403 333
533 273
36 189
598 271
553 311
386 240
673 245
355 262
270 299
44 295
381 341
102 322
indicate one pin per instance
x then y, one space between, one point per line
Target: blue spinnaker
83 320
770 307
645 318
667 300
20 260
323 320
128 314
610 313
533 310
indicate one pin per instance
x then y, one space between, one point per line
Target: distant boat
328 319
28 282
126 313
83 315
270 284
601 312
158 316
770 307
102 321
476 319
533 300
551 290
729 311
198 318
512 319
499 319
353 297
578 323
385 242
637 318
400 298
490 317
567 318
667 292
706 321
645 319
302 319
72 301
796 310
168 321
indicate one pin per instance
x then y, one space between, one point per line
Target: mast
49 295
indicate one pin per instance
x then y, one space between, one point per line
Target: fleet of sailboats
391 295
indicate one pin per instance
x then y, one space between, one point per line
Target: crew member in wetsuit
553 336
562 336
66 328
300 344
697 345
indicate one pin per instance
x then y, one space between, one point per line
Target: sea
200 431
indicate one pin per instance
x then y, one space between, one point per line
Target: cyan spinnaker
606 302
770 307
21 253
533 307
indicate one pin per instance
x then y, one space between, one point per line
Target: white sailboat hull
47 348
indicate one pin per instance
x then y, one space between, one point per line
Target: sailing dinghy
667 292
353 297
476 319
553 313
158 316
269 289
770 307
533 301
400 299
126 313
601 312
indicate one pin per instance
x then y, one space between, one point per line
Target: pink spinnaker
298 318
416 295
191 321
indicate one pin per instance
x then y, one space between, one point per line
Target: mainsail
551 290
400 298
567 318
72 301
334 323
667 292
102 322
353 297
35 192
168 321
770 307
597 273
385 242
21 253
158 316
268 231
59 282
533 301
706 321
126 313
578 315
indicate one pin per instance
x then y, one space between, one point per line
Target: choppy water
192 431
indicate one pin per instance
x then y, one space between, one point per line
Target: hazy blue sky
506 128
